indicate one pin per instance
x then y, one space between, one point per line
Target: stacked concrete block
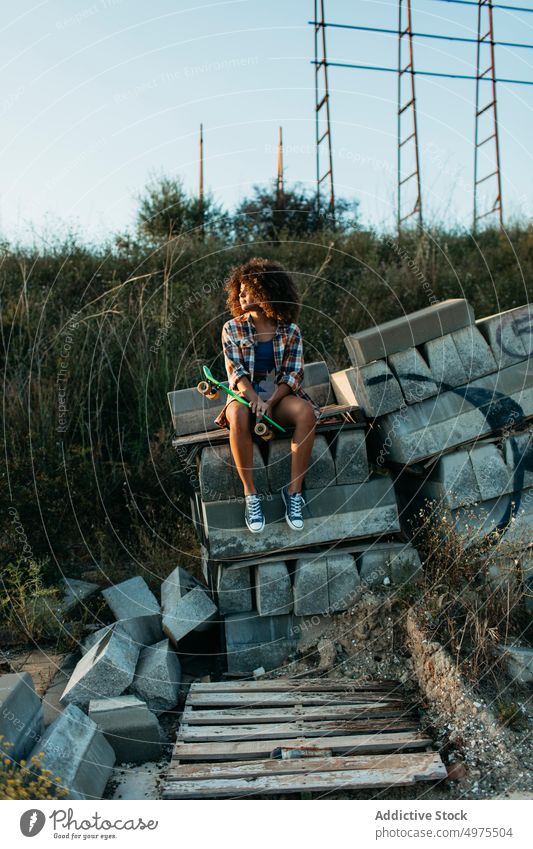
234 588
325 584
129 727
273 589
76 751
107 669
218 476
253 641
157 677
394 564
21 715
143 630
484 487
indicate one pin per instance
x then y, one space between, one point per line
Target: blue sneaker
253 513
293 508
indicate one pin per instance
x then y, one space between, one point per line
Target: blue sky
98 95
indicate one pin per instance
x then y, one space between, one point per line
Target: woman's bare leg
298 413
240 440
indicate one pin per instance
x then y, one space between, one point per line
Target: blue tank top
264 356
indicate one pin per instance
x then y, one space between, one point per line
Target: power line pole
322 106
407 109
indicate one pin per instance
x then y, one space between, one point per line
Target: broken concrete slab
509 334
273 590
157 677
310 587
192 610
21 715
492 403
234 588
408 331
76 751
129 727
351 463
373 387
332 513
218 475
413 374
131 598
106 670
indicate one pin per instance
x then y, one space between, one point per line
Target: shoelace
295 505
254 508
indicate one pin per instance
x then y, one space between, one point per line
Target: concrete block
404 565
130 728
453 478
518 453
343 581
175 586
143 630
408 331
310 586
373 567
320 471
76 592
192 610
351 463
316 382
413 375
251 629
131 598
78 752
445 364
373 387
493 476
332 513
519 662
509 334
474 353
461 415
234 589
273 590
21 715
218 475
253 641
192 412
157 677
106 670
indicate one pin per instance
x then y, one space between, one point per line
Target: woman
263 355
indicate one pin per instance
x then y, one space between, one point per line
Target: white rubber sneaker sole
254 530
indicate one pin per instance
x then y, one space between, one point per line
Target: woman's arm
292 364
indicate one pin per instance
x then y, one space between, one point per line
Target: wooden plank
280 731
244 699
423 761
282 685
317 782
247 749
250 715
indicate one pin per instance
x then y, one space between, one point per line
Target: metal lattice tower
322 115
486 115
405 110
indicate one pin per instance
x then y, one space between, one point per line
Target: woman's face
247 300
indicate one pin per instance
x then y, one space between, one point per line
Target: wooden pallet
249 738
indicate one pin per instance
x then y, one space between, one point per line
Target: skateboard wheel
262 430
207 390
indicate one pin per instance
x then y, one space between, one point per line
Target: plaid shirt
238 345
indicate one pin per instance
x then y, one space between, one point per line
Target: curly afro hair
269 283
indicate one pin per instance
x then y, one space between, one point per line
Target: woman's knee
238 416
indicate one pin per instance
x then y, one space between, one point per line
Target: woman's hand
260 407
